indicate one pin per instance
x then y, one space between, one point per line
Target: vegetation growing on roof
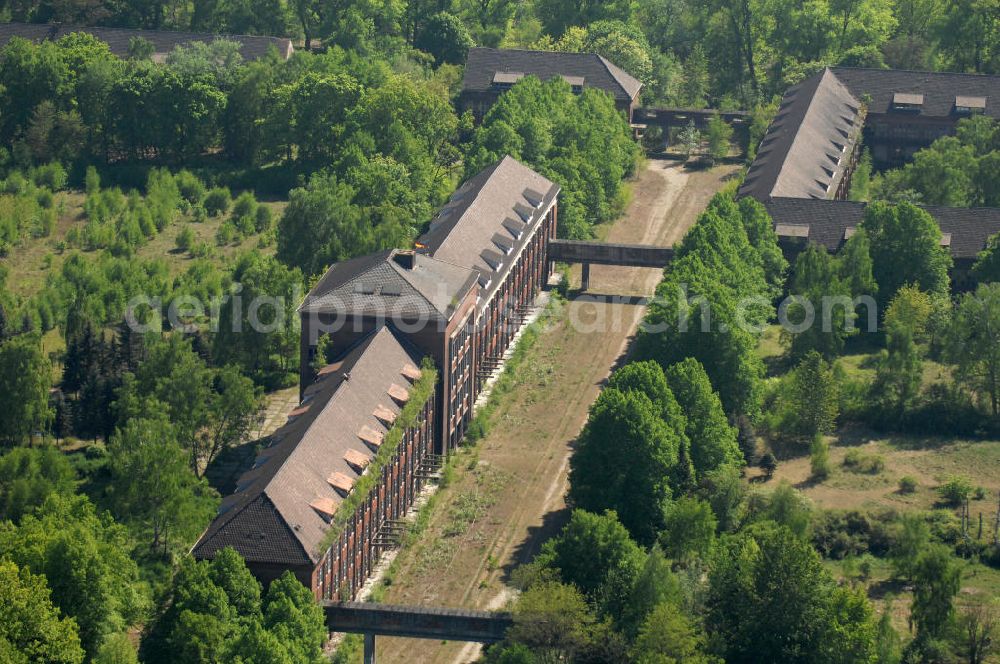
409 416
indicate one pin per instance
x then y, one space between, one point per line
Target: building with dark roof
803 167
280 516
459 297
489 72
829 224
456 300
252 47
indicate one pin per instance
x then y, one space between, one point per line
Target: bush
907 484
226 234
855 461
92 181
217 201
819 459
44 198
191 188
262 218
245 205
185 239
956 490
51 175
768 464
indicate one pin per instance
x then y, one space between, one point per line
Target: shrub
907 484
857 462
185 239
92 181
217 201
245 205
44 198
226 234
819 459
191 188
262 218
51 175
956 490
769 464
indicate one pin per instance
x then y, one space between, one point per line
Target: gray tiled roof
252 47
269 519
478 227
939 89
595 70
828 222
808 144
378 285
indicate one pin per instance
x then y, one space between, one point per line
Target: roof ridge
834 69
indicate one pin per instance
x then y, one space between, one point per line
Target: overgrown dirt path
508 495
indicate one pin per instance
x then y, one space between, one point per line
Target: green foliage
861 179
28 476
789 508
908 484
910 541
719 134
936 580
190 187
898 374
215 613
819 459
809 399
553 621
974 343
152 487
955 490
697 314
322 225
446 38
688 530
987 266
689 140
770 599
905 249
713 441
601 479
590 548
217 201
25 379
262 339
87 560
31 627
670 636
589 160
185 239
871 464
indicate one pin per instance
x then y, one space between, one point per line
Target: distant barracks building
803 168
457 299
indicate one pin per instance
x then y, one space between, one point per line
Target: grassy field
929 460
30 262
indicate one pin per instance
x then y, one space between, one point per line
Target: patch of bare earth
510 495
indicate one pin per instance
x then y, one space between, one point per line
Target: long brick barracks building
458 298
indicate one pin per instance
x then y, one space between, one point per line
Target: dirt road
508 496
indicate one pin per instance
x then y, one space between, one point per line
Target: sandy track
523 463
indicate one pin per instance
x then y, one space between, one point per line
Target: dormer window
968 105
907 102
505 80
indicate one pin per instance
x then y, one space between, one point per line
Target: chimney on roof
406 259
